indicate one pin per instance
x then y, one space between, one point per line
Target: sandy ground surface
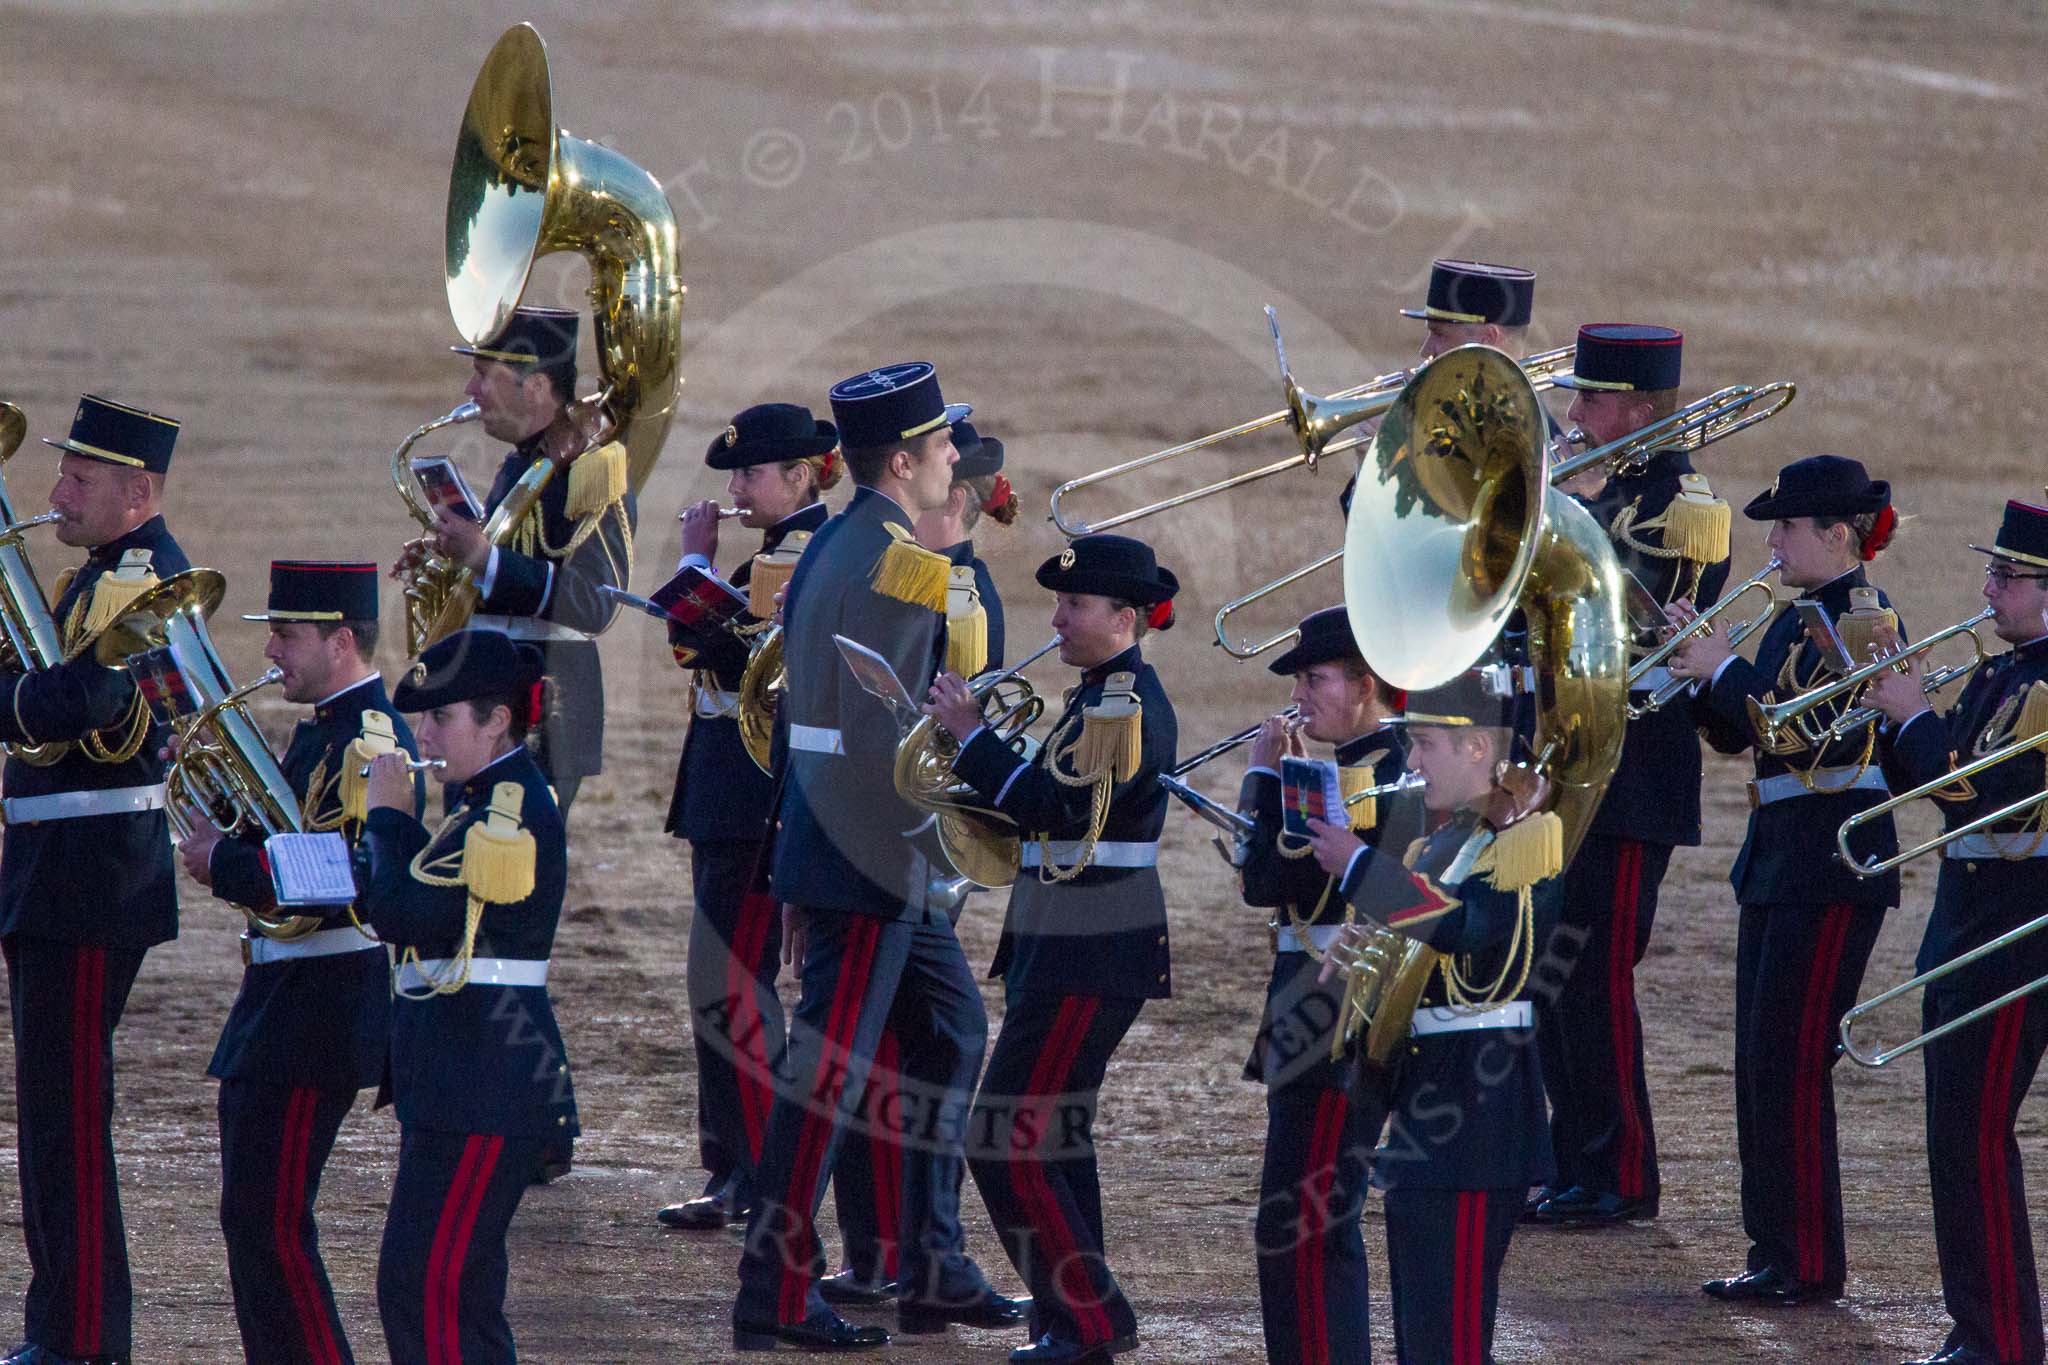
232 213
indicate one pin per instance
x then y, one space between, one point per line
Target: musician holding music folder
312 1021
779 461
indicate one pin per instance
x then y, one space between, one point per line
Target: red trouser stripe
458 1246
1621 1010
1034 1187
1809 1085
88 1130
1468 1279
885 1155
1318 1176
815 1134
288 1212
749 1044
1994 1122
438 1329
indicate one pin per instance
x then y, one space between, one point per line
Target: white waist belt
1654 680
1065 853
712 703
1442 1019
320 943
2009 846
816 739
1826 781
27 810
1298 938
483 971
528 628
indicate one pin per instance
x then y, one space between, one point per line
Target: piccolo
724 513
412 765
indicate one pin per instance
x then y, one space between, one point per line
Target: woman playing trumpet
1807 924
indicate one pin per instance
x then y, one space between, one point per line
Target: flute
412 765
724 513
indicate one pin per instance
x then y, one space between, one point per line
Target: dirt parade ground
231 211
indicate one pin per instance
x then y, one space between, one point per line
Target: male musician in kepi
1671 533
1991 882
854 885
86 884
1807 924
778 460
1324 1112
312 1023
542 584
1466 1137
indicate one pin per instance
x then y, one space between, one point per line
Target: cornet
1796 713
1703 624
413 765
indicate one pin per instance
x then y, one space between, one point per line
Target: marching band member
312 1022
854 887
1467 1137
869 1209
542 586
780 460
1671 533
1989 883
1807 924
1084 943
86 885
478 1071
1323 1112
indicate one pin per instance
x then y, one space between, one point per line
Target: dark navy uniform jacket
318 1021
991 601
845 842
1469 1110
486 1059
1788 856
1102 933
561 589
720 793
1654 795
1978 898
104 879
1275 879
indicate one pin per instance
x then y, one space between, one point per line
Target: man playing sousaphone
1467 1138
1989 883
86 882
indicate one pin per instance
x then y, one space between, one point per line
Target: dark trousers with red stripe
1590 1035
1797 970
1031 1148
867 1182
1444 1254
1976 1078
860 973
274 1142
441 1270
65 1000
736 1017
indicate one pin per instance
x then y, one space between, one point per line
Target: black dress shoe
1581 1207
985 1309
705 1213
1771 1285
1052 1350
819 1332
1538 1197
1955 1355
28 1353
848 1287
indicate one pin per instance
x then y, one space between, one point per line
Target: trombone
1796 713
1702 624
1693 427
1316 419
1954 964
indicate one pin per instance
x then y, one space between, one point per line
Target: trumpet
1703 624
1861 868
1316 420
1693 427
412 765
1796 713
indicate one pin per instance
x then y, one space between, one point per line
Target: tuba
520 189
1453 531
223 772
29 638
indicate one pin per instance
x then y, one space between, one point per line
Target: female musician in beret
478 1070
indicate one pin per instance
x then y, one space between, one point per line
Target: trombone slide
1884 1056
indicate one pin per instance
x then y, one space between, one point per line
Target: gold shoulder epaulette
1112 732
771 574
116 589
377 738
966 624
1865 620
497 853
597 479
2033 717
1525 853
910 573
1696 524
1363 814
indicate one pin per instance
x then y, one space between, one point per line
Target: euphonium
427 581
521 189
29 638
